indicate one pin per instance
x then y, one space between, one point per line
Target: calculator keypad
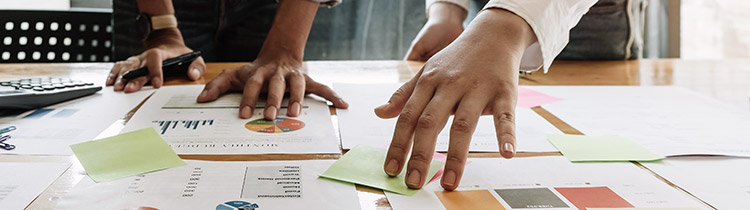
44 83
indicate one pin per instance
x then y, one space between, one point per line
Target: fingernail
271 112
295 109
449 178
245 112
392 167
508 148
412 179
196 73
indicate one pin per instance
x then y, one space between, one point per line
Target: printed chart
280 125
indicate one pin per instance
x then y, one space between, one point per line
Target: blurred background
383 29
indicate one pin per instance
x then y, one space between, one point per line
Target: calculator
34 93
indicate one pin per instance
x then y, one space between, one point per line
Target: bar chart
170 125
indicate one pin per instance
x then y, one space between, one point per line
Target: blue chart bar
167 125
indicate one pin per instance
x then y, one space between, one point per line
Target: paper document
220 185
667 120
215 128
359 124
50 130
580 148
21 183
125 155
721 182
364 165
550 182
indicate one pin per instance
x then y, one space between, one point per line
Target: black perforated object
55 36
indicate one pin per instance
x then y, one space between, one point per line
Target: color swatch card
50 130
360 125
721 182
125 155
580 148
550 182
229 185
364 165
215 127
667 120
22 182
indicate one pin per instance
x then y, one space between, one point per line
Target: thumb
196 69
398 99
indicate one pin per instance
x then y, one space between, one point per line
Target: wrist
164 36
501 28
446 12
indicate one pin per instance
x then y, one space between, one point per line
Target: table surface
725 80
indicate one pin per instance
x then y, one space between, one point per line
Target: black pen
176 61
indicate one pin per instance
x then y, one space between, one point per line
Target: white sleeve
551 21
461 3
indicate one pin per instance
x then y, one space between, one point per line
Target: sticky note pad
125 155
364 165
528 98
579 148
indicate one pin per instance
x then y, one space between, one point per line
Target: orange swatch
470 199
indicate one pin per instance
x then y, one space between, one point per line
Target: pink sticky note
528 98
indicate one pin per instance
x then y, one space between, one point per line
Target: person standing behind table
272 35
475 74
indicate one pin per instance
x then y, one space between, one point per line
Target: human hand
271 76
162 45
476 75
443 26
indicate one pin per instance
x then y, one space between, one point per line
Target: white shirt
551 21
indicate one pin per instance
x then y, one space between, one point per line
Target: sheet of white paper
21 183
359 124
627 181
208 184
720 181
50 130
215 128
667 120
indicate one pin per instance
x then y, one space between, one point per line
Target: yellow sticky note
579 148
125 155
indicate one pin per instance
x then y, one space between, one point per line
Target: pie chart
279 125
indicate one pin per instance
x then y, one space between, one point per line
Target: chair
76 35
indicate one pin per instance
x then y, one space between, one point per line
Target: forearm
290 29
444 11
159 37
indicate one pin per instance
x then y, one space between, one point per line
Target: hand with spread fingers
277 69
271 76
475 75
162 45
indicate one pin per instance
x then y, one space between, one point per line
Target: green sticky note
579 148
125 155
364 165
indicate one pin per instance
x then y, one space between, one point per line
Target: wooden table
725 80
